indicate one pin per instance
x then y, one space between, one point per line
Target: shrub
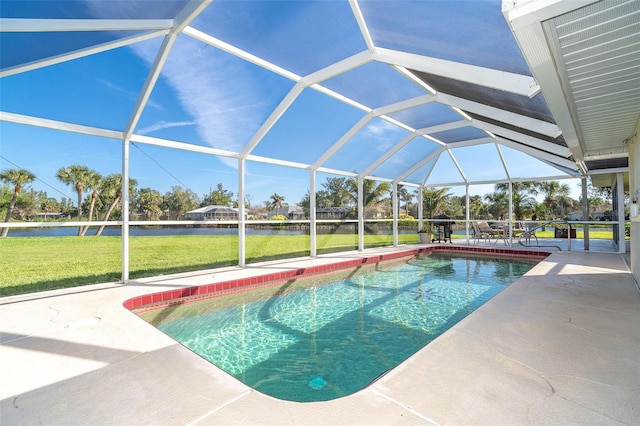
426 229
405 220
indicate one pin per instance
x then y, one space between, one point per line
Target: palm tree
522 202
276 201
372 193
149 201
406 196
18 178
595 203
433 200
499 201
565 205
111 189
92 182
475 206
551 190
75 176
49 204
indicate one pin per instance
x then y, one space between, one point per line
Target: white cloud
164 125
214 91
380 127
385 135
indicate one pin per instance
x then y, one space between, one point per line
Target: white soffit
586 57
599 47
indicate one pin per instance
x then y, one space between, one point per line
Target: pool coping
222 288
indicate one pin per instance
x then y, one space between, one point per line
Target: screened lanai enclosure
273 101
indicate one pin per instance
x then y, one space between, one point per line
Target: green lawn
596 235
32 264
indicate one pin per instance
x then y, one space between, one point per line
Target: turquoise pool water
312 340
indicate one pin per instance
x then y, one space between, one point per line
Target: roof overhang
585 56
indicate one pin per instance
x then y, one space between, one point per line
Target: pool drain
317 383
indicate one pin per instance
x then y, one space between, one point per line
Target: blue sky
210 98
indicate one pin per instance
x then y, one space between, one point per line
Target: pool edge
159 299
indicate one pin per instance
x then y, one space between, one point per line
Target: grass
595 235
34 264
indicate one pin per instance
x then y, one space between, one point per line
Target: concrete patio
559 346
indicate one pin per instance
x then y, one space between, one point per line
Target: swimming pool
321 338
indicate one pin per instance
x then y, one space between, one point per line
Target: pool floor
321 338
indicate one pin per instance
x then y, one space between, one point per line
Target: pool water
309 340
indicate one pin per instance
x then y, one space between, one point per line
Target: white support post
585 212
395 211
620 208
634 187
360 214
312 213
420 207
467 215
125 210
241 215
510 213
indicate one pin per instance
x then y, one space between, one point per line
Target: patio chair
518 229
530 231
497 233
485 232
477 234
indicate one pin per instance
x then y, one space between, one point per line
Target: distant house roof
207 209
287 210
50 214
214 212
332 209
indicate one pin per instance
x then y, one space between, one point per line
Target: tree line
556 202
100 197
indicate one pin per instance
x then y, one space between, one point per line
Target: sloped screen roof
391 90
